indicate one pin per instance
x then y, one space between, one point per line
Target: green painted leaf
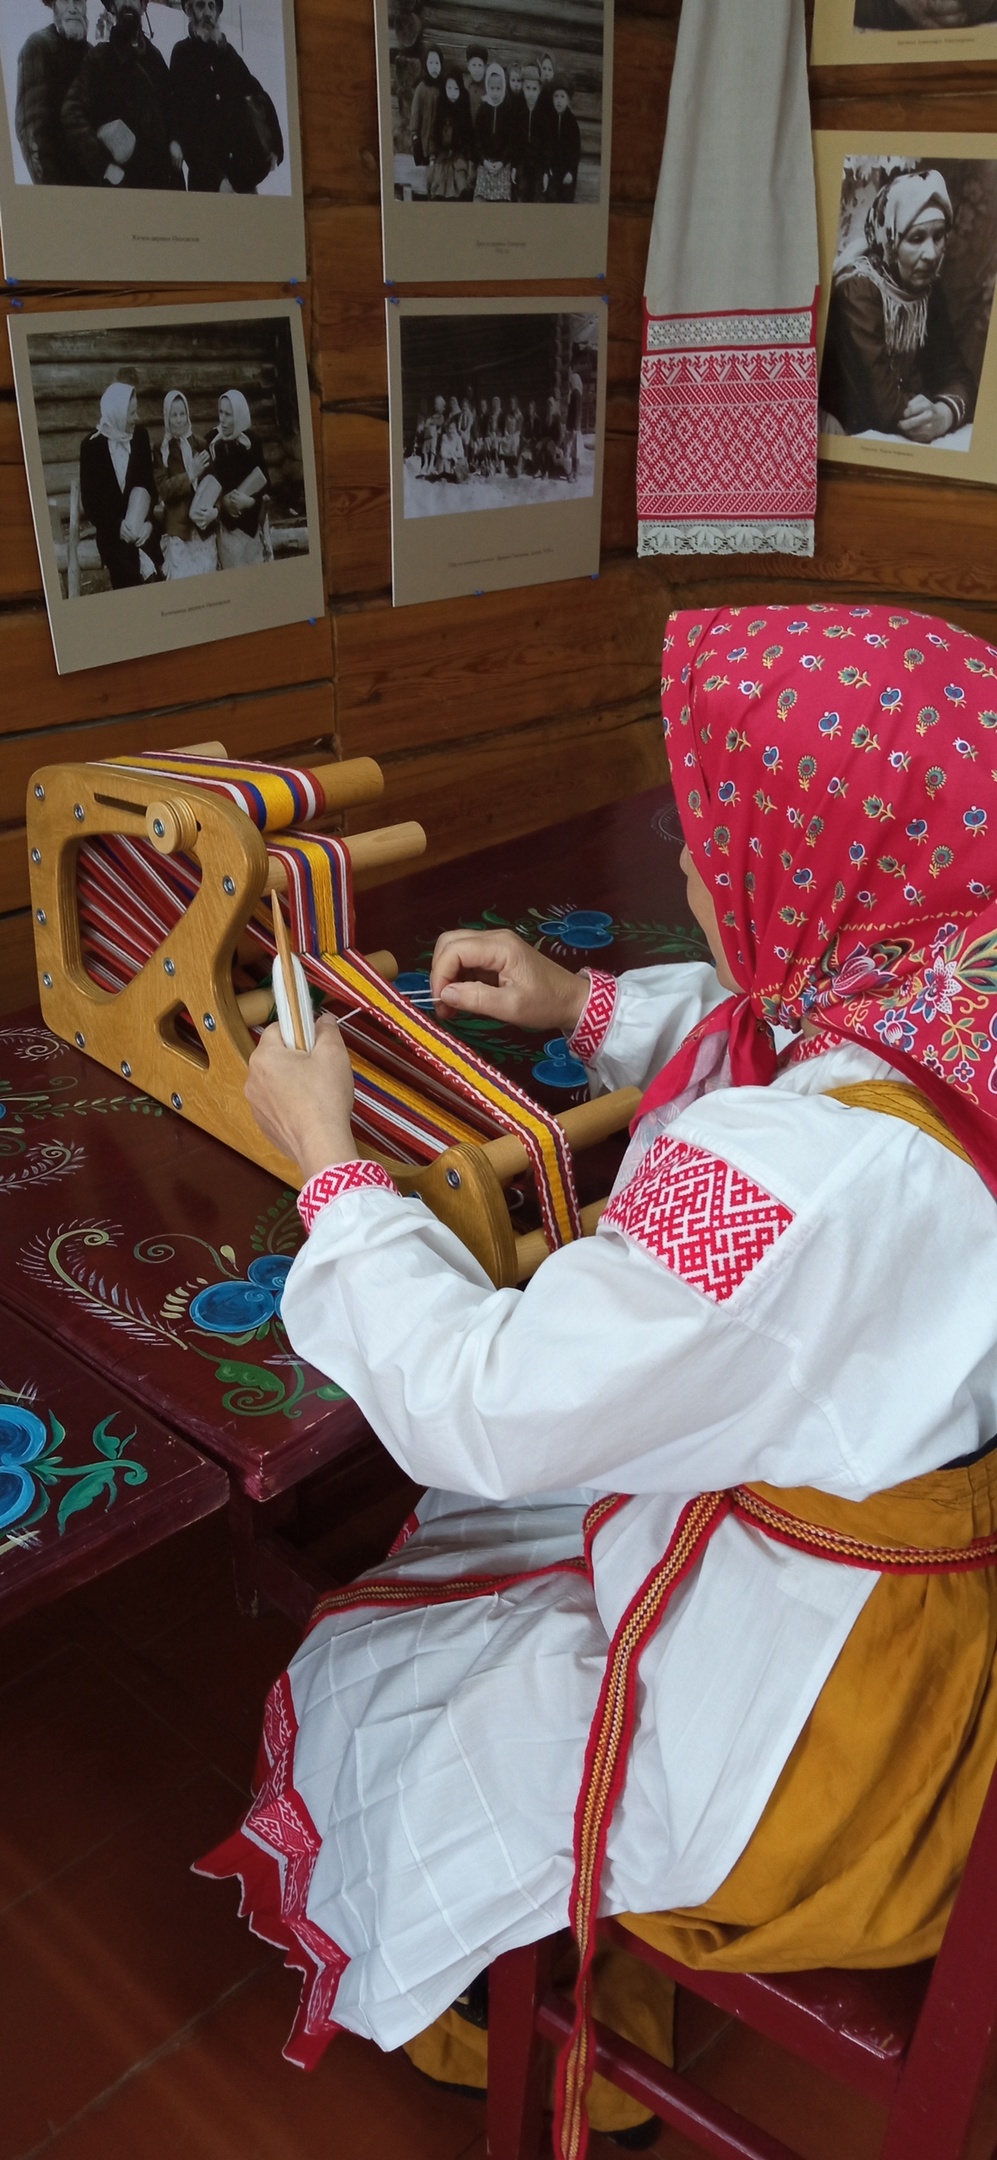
331 1393
84 1494
108 1443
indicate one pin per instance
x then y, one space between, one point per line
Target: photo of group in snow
521 426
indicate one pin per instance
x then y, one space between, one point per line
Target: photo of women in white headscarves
189 515
168 454
923 14
911 299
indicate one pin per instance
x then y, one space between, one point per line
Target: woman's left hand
302 1100
924 421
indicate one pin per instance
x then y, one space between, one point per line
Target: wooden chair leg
516 2056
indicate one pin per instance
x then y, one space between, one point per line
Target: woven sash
419 1090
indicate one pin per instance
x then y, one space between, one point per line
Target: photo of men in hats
48 64
118 114
227 124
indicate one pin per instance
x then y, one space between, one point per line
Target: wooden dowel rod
367 851
533 1249
348 780
256 1006
584 1126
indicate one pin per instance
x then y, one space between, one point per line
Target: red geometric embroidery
728 434
589 1035
704 1219
327 1184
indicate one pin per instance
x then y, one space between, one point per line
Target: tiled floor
139 2018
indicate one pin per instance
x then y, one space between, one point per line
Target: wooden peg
367 851
172 826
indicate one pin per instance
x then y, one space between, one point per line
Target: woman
190 547
785 1287
891 359
239 466
117 489
451 168
424 103
494 140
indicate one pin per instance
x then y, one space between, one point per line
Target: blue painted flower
270 1272
22 1438
829 723
889 698
558 1068
917 829
770 757
727 791
895 1029
737 652
975 818
856 852
414 984
232 1308
803 877
955 693
750 689
796 629
584 929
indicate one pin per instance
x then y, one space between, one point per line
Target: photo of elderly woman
911 299
168 452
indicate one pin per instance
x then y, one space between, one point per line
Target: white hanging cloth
727 452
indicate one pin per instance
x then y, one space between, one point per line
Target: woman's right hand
199 463
497 973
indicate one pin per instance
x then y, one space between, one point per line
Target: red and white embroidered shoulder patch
704 1219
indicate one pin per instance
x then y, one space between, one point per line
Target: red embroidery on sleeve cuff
589 1035
340 1177
701 1217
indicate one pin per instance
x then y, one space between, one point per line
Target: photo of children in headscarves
498 411
911 300
154 94
923 14
490 105
168 452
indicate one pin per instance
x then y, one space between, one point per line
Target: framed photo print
148 141
172 475
497 412
857 32
495 129
907 229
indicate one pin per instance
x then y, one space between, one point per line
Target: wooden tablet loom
152 882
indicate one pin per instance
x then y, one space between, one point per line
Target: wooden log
473 794
453 669
297 653
70 299
351 359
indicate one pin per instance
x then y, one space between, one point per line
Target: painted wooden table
157 1256
86 1478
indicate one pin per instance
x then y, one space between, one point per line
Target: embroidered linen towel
727 448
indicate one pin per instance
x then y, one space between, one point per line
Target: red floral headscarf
834 769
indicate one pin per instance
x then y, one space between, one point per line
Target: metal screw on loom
228 885
40 915
81 1041
177 1101
158 827
39 794
47 981
209 1022
36 854
126 1068
169 967
453 1179
78 812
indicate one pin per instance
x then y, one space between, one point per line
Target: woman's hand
924 421
199 463
495 972
237 501
302 1099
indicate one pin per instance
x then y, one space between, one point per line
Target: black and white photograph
168 456
497 412
860 31
164 130
494 136
908 310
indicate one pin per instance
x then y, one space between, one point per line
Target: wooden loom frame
134 1030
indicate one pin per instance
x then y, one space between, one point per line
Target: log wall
491 715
